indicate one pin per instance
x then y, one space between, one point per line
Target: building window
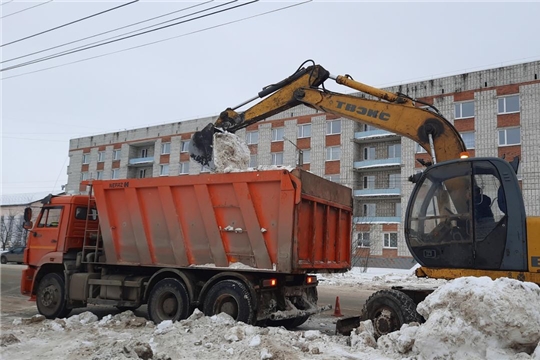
508 104
304 131
253 161
333 153
363 240
369 153
142 173
464 110
468 139
184 146
335 178
252 137
101 156
420 150
277 134
84 176
397 210
306 156
333 127
510 136
369 182
164 170
277 158
116 154
366 127
393 181
144 153
369 210
166 148
115 174
86 158
394 151
390 240
184 167
99 175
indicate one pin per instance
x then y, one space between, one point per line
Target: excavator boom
393 112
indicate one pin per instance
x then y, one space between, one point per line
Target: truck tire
50 297
3 260
168 300
231 297
388 310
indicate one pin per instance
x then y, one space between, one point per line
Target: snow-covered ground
466 318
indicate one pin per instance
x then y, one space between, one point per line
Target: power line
160 41
69 23
28 8
6 2
126 37
110 38
105 32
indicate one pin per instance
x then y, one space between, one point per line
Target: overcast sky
203 73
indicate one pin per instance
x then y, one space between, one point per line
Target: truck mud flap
347 325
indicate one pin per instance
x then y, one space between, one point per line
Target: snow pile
231 154
468 318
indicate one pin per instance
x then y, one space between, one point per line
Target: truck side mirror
28 225
27 214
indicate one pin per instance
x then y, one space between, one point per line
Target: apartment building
497 112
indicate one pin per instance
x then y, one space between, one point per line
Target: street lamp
300 152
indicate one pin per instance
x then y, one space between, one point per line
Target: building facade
497 112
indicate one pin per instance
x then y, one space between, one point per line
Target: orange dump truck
242 243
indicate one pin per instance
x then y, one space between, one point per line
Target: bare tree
7 227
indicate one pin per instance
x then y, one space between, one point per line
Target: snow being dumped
466 318
231 154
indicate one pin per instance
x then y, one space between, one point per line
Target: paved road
14 305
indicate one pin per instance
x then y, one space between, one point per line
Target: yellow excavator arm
392 112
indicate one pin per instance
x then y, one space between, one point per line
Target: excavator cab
468 213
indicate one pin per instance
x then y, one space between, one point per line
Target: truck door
44 238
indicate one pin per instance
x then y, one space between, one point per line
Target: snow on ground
378 278
466 318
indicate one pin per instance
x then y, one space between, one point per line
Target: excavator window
453 212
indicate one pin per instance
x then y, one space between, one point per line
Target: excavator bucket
347 325
201 146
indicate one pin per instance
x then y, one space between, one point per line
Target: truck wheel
3 260
169 300
231 297
288 323
389 310
50 299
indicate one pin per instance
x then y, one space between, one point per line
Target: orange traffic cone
337 308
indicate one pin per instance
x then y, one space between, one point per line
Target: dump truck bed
274 220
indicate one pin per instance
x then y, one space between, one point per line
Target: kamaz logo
363 111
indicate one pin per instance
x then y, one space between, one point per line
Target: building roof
25 198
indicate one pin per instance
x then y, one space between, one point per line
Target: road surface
14 305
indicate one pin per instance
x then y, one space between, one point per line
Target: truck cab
57 235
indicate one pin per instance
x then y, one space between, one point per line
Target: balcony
143 161
377 192
368 164
377 220
372 135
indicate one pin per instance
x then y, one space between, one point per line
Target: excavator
465 216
